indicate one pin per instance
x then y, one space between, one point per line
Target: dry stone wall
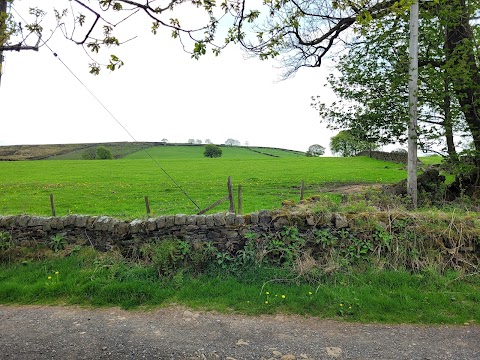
398 157
104 233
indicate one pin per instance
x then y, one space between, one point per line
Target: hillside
66 151
123 149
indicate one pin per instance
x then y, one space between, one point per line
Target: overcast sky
159 93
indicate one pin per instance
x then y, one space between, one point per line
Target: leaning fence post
302 189
147 205
240 200
52 204
230 195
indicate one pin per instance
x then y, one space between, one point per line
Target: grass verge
89 278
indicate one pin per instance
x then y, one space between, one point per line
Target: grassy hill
66 151
122 149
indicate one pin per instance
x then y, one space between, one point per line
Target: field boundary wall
105 233
398 157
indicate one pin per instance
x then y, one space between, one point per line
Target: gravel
52 332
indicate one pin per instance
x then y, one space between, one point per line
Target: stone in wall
169 221
161 222
180 219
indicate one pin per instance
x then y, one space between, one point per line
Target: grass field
118 187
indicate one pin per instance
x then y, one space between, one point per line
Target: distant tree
198 141
191 141
89 154
345 143
102 153
208 141
212 151
232 142
247 143
315 150
165 140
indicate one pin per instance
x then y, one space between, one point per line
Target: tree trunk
448 126
3 27
462 65
413 101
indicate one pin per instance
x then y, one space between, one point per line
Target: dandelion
266 302
267 293
56 273
49 278
283 296
349 308
310 293
341 305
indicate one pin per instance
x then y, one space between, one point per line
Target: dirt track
39 332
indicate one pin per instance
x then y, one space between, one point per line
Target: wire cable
116 120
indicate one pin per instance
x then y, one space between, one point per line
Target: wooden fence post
52 204
230 195
147 205
240 200
302 189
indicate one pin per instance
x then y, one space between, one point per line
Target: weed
325 238
247 256
57 243
167 255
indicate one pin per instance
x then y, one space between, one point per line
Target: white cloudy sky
159 93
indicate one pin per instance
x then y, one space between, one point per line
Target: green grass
118 187
431 160
387 296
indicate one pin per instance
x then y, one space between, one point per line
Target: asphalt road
43 332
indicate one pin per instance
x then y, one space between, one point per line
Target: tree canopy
212 151
372 85
345 143
232 142
315 150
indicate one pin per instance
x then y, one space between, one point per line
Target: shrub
212 151
103 153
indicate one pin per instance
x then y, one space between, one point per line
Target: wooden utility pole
412 98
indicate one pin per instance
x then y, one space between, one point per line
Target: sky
159 93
